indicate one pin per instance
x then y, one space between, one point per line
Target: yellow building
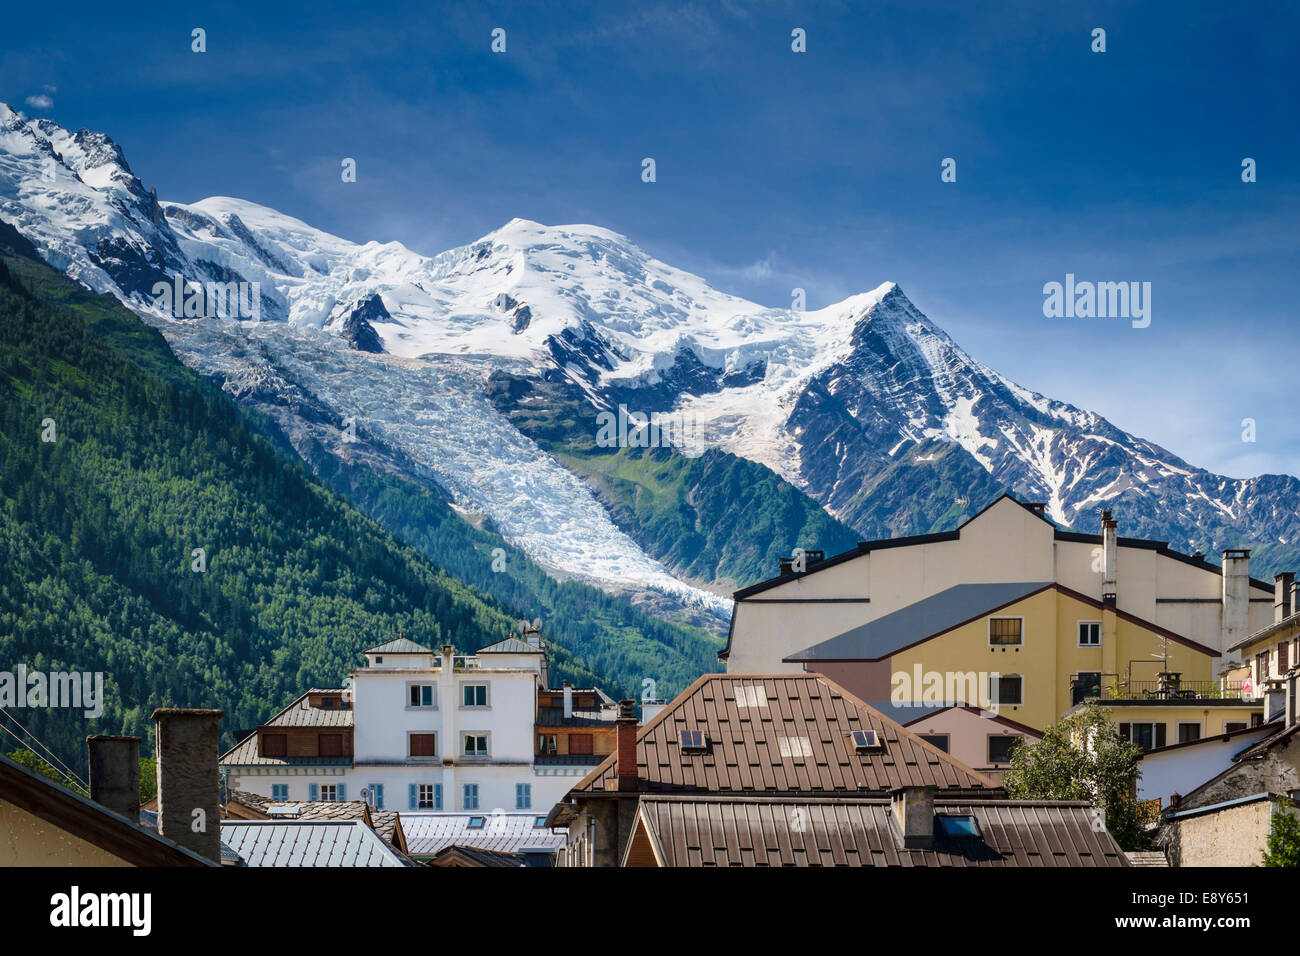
1270 656
1025 653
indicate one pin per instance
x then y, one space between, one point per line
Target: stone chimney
1283 588
1295 598
115 774
625 746
914 812
189 812
568 700
1236 597
1109 557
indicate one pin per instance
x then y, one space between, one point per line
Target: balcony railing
1111 688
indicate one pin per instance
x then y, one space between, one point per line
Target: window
957 825
474 695
523 796
274 745
375 795
423 695
864 740
329 792
476 745
581 744
1007 689
1006 631
1090 633
279 792
539 821
547 744
422 745
1231 726
1189 731
476 823
331 745
691 739
1282 665
469 801
937 740
426 796
1145 734
1001 747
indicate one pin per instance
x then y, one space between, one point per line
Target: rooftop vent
290 811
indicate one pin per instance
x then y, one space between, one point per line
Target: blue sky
819 170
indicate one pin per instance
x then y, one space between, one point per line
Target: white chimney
1236 597
651 707
1109 555
568 701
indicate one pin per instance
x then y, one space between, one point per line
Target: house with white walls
417 729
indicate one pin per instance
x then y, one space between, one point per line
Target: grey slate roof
308 843
399 645
244 753
429 832
916 622
511 645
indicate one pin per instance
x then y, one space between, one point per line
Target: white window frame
1006 617
432 801
487 694
1078 633
376 795
333 789
432 696
487 742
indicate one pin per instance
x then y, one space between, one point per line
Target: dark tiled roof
916 622
760 831
554 717
796 742
308 843
297 714
473 856
300 714
400 645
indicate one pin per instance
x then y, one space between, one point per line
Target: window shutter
378 791
1282 664
313 791
437 796
343 791
414 795
1160 735
1126 731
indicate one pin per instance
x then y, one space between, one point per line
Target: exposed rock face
354 327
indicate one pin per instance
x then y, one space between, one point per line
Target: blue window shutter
437 796
414 797
313 791
378 790
343 791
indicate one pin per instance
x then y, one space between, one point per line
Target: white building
415 730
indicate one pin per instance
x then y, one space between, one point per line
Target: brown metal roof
756 749
764 831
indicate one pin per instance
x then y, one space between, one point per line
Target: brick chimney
1283 586
1236 597
189 812
914 812
115 774
625 747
